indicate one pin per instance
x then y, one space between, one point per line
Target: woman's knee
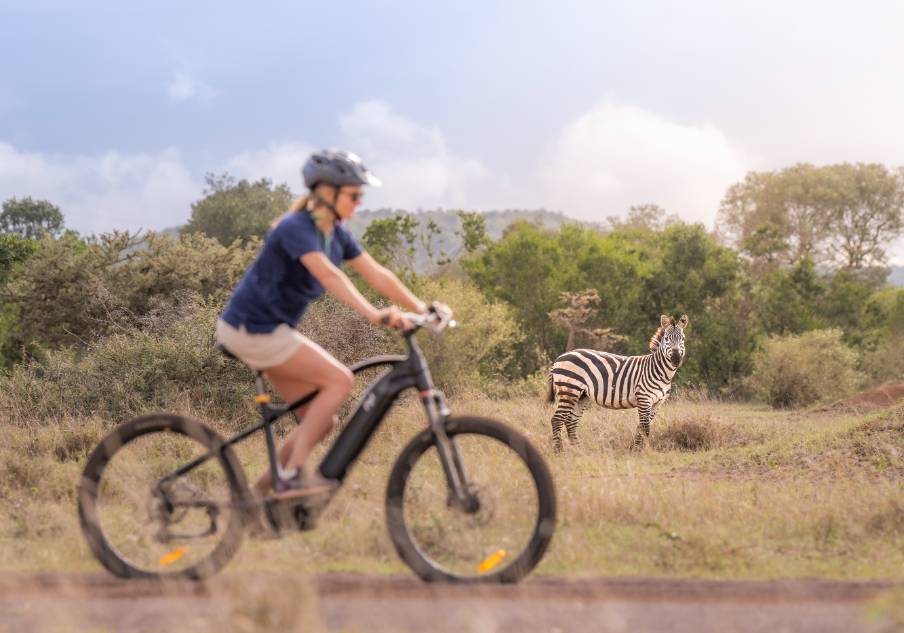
345 380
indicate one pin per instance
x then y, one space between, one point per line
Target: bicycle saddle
226 352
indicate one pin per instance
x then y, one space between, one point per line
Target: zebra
616 382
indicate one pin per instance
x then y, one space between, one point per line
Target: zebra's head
669 339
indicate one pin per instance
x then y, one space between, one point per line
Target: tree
866 211
689 266
786 207
581 307
392 241
838 214
237 210
786 301
14 249
431 231
527 269
846 301
473 230
30 219
645 216
766 247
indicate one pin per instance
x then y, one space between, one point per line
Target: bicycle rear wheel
186 527
509 532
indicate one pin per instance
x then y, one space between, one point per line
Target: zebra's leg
644 413
571 424
563 415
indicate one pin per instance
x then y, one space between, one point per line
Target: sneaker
303 485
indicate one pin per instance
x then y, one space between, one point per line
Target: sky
116 112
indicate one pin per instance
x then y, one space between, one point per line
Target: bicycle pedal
293 514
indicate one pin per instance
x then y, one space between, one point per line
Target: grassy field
728 490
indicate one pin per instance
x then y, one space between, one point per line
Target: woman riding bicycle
300 258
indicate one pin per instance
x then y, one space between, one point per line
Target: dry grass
728 490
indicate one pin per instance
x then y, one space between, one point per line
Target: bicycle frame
406 371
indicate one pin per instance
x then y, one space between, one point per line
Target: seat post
259 381
263 399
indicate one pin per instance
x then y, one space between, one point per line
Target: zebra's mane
657 339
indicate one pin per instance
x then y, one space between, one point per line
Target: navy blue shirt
277 288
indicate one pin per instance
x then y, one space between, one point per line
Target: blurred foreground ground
82 603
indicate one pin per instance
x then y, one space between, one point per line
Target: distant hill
497 221
447 242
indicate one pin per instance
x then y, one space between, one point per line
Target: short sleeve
350 247
297 237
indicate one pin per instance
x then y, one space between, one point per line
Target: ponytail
297 205
300 203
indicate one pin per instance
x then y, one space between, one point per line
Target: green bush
886 362
73 292
169 362
166 360
472 355
794 371
344 333
237 210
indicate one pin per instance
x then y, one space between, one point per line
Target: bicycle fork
460 491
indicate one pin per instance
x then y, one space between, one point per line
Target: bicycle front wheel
504 537
143 521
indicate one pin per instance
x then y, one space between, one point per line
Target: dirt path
51 603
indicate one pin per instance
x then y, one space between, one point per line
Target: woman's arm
337 283
386 283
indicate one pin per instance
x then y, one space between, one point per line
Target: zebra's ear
665 320
682 322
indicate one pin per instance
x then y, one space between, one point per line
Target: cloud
183 87
102 192
279 162
418 169
601 163
614 156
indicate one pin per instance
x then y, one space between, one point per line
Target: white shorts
260 351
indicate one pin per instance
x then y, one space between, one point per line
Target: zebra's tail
550 389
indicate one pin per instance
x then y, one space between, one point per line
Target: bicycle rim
498 542
176 531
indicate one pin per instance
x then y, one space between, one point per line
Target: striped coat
616 382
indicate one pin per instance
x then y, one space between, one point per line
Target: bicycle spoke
169 529
463 543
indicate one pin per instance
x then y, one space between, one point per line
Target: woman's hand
441 310
391 317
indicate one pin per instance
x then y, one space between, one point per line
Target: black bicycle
468 499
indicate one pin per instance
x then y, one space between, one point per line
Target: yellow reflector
173 556
261 399
491 561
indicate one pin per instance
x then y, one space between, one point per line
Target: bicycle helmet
337 168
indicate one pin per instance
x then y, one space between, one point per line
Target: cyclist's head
337 168
335 178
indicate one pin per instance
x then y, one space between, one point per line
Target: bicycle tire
120 438
457 428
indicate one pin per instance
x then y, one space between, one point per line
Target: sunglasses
355 196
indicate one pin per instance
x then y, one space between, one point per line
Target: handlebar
434 320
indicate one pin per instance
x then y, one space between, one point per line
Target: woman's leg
310 368
265 482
